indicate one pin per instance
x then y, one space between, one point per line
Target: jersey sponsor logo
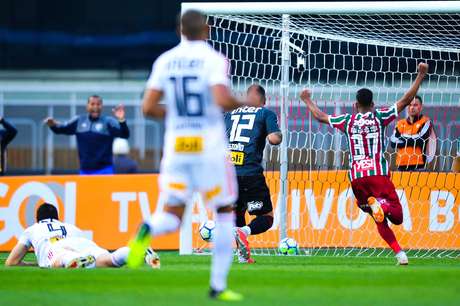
365 164
237 158
255 205
246 109
56 239
188 144
363 122
236 147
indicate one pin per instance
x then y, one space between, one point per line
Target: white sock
246 229
119 256
222 253
162 223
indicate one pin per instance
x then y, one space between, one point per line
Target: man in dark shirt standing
7 134
95 134
247 130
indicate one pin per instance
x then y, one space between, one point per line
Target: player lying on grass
247 129
62 245
369 170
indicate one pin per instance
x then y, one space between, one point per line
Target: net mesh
335 55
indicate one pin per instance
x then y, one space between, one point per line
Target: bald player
192 80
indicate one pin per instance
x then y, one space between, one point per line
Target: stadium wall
321 211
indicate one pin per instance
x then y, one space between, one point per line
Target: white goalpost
335 48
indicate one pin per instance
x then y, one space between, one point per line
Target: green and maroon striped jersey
365 136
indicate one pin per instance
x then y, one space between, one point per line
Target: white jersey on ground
42 235
195 147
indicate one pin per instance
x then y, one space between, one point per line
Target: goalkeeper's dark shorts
253 195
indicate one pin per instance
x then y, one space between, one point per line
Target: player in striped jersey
369 170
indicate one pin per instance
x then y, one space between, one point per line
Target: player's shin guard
120 256
222 253
387 234
261 224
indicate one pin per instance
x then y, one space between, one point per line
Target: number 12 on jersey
238 127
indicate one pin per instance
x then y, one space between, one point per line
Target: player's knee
269 219
57 263
397 216
177 211
396 220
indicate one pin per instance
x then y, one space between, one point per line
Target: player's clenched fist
305 95
423 68
50 122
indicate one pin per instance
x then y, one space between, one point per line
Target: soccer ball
288 246
206 230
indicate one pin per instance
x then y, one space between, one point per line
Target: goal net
335 54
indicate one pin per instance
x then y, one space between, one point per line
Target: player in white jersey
57 244
192 79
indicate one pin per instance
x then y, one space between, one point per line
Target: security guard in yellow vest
411 138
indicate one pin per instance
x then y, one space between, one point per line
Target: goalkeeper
247 130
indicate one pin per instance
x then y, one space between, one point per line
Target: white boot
402 258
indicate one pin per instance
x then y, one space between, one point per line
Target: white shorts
214 178
75 247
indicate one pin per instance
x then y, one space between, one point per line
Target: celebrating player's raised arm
410 94
319 115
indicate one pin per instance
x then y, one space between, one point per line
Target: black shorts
253 195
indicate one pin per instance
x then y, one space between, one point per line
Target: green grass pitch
273 280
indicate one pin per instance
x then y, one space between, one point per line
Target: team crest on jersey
98 127
365 164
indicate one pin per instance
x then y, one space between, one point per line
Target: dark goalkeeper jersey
247 129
